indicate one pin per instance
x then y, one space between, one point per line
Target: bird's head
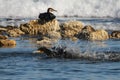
49 10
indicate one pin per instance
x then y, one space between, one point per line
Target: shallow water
19 63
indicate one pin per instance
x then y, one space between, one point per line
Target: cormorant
59 52
47 16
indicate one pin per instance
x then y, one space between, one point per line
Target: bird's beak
55 10
38 51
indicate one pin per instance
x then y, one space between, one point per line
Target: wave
82 8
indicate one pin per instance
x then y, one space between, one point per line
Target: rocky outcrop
16 32
46 42
89 33
35 27
11 31
51 38
2 30
115 35
71 28
7 42
99 35
3 37
48 32
4 41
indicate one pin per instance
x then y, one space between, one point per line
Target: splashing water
91 51
84 8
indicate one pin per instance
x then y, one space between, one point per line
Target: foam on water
84 8
87 50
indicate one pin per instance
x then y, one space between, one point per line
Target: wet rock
36 27
15 32
2 30
49 40
48 32
9 27
88 29
46 42
53 35
99 35
3 37
7 42
71 28
115 34
11 31
89 33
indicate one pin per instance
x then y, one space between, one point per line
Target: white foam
90 52
84 8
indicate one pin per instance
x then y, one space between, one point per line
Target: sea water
19 62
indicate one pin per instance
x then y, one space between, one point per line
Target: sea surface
20 63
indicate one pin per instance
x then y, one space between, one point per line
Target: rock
34 27
49 32
88 29
49 39
11 31
99 35
71 28
15 32
85 32
115 34
3 37
46 42
7 42
53 35
89 33
2 30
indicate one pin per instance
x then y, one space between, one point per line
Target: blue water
19 63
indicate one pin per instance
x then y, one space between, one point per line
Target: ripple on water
19 63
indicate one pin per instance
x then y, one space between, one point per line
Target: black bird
59 52
47 16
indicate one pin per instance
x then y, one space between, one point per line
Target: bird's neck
48 11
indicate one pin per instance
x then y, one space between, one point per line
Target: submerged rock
89 33
71 28
7 42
